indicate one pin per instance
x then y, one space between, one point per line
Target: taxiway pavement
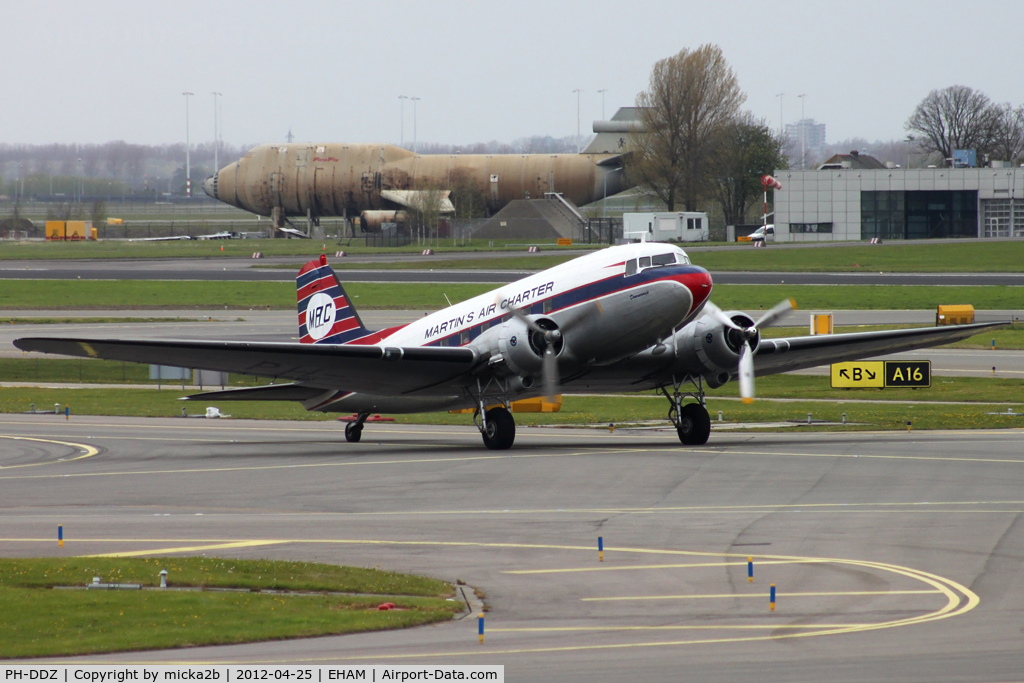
896 556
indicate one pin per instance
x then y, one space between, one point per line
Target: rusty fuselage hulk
310 180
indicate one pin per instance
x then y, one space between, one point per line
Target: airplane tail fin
326 315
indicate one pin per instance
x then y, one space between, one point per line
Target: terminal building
856 197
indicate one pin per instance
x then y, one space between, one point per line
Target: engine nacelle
718 347
371 221
521 350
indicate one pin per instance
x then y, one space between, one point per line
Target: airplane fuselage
342 179
611 310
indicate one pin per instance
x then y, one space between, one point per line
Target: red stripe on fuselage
318 285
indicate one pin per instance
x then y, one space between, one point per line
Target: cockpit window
645 262
663 259
631 267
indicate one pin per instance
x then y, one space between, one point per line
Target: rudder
326 315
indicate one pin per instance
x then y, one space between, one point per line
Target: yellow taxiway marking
959 599
691 565
255 468
733 627
756 595
188 549
89 452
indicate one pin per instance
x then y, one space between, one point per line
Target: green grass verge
307 249
168 294
1010 337
526 262
36 622
93 320
583 410
213 572
89 371
893 257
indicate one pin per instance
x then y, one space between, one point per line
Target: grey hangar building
856 197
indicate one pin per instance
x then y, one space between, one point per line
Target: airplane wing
370 369
797 353
413 199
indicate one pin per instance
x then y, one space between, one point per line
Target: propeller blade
719 315
775 312
549 371
747 373
530 324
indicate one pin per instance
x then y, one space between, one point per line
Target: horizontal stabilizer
419 199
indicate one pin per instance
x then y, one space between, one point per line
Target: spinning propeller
746 367
551 339
549 364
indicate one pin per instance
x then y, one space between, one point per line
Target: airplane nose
210 186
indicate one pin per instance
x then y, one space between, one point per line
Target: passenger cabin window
631 267
645 262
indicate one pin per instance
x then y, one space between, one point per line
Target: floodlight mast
577 91
188 161
216 138
402 99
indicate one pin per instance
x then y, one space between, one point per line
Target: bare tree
956 117
1008 135
690 98
426 208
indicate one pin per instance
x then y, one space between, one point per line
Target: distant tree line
959 117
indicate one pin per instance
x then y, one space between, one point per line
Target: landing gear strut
691 420
354 430
498 429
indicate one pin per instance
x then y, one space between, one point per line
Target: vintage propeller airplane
627 318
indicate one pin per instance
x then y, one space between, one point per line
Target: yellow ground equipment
954 315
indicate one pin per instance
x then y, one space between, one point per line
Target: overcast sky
92 72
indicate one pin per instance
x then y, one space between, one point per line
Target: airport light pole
216 138
803 134
402 99
81 181
188 160
782 125
604 199
602 91
577 91
414 101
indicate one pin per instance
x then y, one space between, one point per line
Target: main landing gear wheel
353 432
500 431
694 426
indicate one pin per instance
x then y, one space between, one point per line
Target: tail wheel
353 432
694 425
500 431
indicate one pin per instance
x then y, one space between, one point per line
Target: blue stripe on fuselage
574 297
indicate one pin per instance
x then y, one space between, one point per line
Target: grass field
958 395
172 294
36 621
968 257
90 371
1010 337
307 249
978 256
893 257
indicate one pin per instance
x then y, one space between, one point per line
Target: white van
766 233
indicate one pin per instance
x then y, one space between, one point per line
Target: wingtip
792 302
